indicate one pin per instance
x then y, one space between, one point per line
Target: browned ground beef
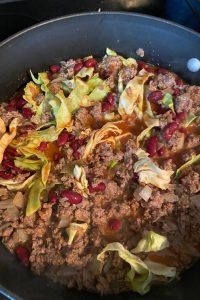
112 204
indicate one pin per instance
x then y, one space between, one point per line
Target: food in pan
100 174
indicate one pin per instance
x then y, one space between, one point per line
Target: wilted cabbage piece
28 164
167 101
195 159
99 92
63 115
2 127
45 172
106 133
150 173
139 277
131 98
126 61
81 180
146 131
34 197
16 186
190 118
42 78
7 138
84 72
160 269
73 229
30 92
151 241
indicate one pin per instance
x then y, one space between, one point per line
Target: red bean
23 255
155 96
50 76
42 146
135 177
90 63
12 105
20 103
114 224
161 151
78 66
179 82
63 138
180 117
169 130
183 130
57 156
162 71
27 112
6 175
152 145
7 164
176 92
110 99
53 197
72 197
100 187
54 68
76 155
11 151
105 106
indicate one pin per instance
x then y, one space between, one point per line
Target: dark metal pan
165 43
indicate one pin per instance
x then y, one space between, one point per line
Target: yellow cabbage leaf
31 91
45 172
150 173
2 127
34 197
73 229
151 241
105 134
63 116
146 131
81 180
131 98
7 138
16 186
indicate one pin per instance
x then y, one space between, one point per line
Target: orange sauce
51 150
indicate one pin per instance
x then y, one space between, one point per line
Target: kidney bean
11 151
57 156
77 67
6 175
76 155
114 224
53 197
72 197
180 117
63 138
8 164
179 82
100 187
176 92
183 130
161 151
90 63
169 130
20 103
42 146
23 255
27 112
105 106
110 98
135 177
152 145
155 96
54 68
12 105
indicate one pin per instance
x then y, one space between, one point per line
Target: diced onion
145 193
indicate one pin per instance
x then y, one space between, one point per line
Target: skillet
165 44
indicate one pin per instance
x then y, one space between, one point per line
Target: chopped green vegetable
160 269
34 197
28 164
167 101
152 241
146 131
139 276
191 118
73 229
113 164
16 186
195 159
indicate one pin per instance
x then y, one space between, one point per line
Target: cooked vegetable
7 138
16 186
150 173
167 101
138 277
146 131
160 269
73 229
190 118
81 180
195 159
31 91
151 241
34 197
131 98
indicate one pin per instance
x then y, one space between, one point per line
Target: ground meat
96 112
163 81
189 101
67 69
83 119
176 142
54 87
191 182
127 73
110 66
165 118
192 141
9 115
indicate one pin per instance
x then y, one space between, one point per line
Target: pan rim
102 13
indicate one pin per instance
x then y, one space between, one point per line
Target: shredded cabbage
73 229
81 180
146 131
195 159
150 173
34 197
167 101
151 241
16 186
